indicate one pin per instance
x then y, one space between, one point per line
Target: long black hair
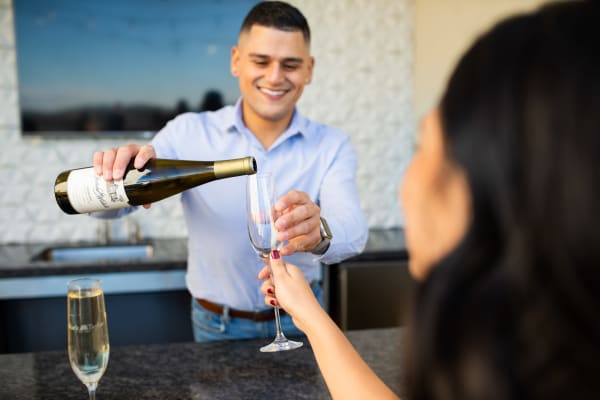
514 310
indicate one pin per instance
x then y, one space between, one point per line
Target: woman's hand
346 374
285 286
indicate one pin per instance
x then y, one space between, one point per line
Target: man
314 168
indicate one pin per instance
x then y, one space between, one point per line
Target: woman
502 227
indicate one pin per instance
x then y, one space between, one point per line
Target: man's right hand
111 164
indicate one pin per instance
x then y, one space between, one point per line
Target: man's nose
275 73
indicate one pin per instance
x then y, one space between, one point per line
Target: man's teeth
273 92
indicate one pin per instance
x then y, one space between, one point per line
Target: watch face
325 232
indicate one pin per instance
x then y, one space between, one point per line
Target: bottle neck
235 167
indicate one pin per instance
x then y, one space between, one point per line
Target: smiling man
272 66
314 167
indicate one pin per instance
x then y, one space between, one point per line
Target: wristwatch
326 237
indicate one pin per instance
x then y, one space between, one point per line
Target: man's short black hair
278 15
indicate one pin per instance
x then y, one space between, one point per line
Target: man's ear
235 59
311 66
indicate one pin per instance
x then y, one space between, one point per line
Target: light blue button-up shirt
308 156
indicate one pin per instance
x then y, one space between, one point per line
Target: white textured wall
362 84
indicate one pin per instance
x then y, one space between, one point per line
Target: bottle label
89 192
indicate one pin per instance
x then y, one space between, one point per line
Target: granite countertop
20 260
220 370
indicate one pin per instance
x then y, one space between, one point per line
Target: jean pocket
207 321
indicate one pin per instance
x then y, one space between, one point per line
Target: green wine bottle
79 191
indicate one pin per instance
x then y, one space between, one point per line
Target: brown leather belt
259 316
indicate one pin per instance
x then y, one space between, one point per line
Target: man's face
272 67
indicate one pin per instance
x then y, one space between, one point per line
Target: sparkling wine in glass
260 199
87 331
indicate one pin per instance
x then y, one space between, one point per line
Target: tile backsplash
362 84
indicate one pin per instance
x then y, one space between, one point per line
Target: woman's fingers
268 290
264 273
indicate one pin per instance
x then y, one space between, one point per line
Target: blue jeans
209 326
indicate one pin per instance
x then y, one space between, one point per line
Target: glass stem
279 333
92 390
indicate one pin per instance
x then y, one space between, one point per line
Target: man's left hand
298 222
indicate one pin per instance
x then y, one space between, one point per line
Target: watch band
322 247
326 237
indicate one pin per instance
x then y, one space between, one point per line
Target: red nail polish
275 254
270 291
272 302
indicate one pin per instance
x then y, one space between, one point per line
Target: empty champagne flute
260 199
87 331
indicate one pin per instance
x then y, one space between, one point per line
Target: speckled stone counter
224 370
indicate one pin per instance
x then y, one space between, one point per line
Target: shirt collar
298 125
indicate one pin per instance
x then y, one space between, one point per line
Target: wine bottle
80 190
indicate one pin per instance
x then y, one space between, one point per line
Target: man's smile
273 92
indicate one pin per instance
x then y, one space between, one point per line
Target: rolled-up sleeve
340 206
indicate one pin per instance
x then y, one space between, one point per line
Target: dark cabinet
137 318
368 294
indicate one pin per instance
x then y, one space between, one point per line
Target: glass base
281 344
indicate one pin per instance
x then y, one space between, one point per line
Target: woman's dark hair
279 15
514 311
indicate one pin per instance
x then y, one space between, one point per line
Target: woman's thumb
277 264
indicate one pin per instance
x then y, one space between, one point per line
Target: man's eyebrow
298 60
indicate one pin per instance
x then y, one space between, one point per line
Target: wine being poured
80 191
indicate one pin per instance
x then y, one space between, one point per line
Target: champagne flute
260 198
87 331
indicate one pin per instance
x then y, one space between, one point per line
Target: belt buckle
225 318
